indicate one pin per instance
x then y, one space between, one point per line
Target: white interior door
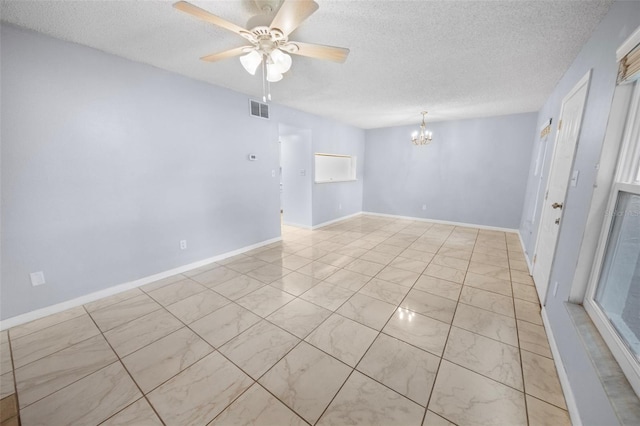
561 164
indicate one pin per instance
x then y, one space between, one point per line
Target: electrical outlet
424 207
555 289
273 173
37 278
183 244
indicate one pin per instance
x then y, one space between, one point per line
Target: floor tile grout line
335 311
70 383
168 379
381 332
358 363
228 359
113 305
524 384
115 302
43 328
172 377
385 385
129 320
352 368
256 382
476 372
444 347
535 353
202 292
182 298
53 353
85 376
303 340
488 310
549 403
216 350
15 381
119 359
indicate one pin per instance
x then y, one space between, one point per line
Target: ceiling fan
269 42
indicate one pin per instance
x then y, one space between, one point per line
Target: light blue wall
328 136
597 55
107 164
474 171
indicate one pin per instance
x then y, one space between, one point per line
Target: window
613 297
334 168
618 288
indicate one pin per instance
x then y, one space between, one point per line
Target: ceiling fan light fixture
251 61
268 36
281 61
273 74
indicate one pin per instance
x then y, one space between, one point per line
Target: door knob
557 205
558 221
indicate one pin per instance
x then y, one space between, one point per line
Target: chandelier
424 136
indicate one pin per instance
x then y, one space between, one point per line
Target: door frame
584 81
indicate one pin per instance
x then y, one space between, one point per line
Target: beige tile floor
368 321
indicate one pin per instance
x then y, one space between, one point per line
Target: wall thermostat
252 157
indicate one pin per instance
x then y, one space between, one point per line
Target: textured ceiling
456 59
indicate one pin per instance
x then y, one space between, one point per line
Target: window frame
625 180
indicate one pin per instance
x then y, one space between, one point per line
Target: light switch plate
574 178
37 278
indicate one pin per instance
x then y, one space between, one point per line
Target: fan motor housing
267 6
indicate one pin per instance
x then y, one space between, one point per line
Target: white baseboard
297 225
443 222
119 288
320 225
572 407
526 254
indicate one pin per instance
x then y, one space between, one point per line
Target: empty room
319 212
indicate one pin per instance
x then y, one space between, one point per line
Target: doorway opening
296 170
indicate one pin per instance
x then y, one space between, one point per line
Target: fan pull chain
264 79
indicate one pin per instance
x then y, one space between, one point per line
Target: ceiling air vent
257 109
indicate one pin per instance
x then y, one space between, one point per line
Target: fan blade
319 51
209 17
226 54
292 13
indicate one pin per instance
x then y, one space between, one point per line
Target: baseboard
336 220
572 407
297 225
119 288
443 222
526 254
